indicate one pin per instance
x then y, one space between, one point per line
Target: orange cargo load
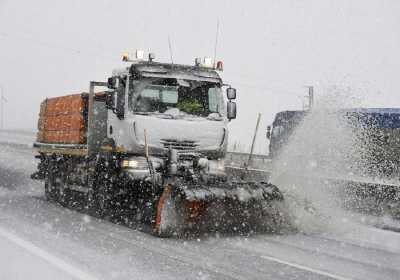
63 120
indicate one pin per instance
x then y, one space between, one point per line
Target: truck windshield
193 98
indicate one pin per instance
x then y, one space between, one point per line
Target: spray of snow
321 147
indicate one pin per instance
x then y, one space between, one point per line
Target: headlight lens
221 165
203 163
135 163
129 163
216 166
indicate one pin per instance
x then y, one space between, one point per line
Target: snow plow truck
152 140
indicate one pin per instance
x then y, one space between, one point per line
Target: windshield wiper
158 114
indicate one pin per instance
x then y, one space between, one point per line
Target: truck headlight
126 163
216 166
221 165
202 163
135 163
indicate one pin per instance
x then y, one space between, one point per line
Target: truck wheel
50 187
90 202
102 198
55 190
169 219
49 192
63 193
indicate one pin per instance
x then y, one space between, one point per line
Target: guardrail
241 159
259 169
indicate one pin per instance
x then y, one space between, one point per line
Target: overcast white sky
270 49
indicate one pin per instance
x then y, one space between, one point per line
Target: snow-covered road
39 240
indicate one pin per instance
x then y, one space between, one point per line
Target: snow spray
322 148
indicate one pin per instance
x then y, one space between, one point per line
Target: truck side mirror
231 110
231 93
110 100
269 132
120 108
112 83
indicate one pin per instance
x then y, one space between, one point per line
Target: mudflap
228 207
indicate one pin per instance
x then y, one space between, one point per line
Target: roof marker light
152 56
139 54
125 56
220 66
208 62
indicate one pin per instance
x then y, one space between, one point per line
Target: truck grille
180 145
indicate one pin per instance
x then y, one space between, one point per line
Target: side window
150 93
213 99
147 100
169 96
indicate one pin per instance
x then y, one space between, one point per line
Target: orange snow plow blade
224 207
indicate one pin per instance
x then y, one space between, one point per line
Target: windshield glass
178 96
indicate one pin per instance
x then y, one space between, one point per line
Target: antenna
170 49
216 42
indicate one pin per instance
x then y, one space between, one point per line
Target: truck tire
54 187
63 193
50 186
90 202
49 192
102 197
